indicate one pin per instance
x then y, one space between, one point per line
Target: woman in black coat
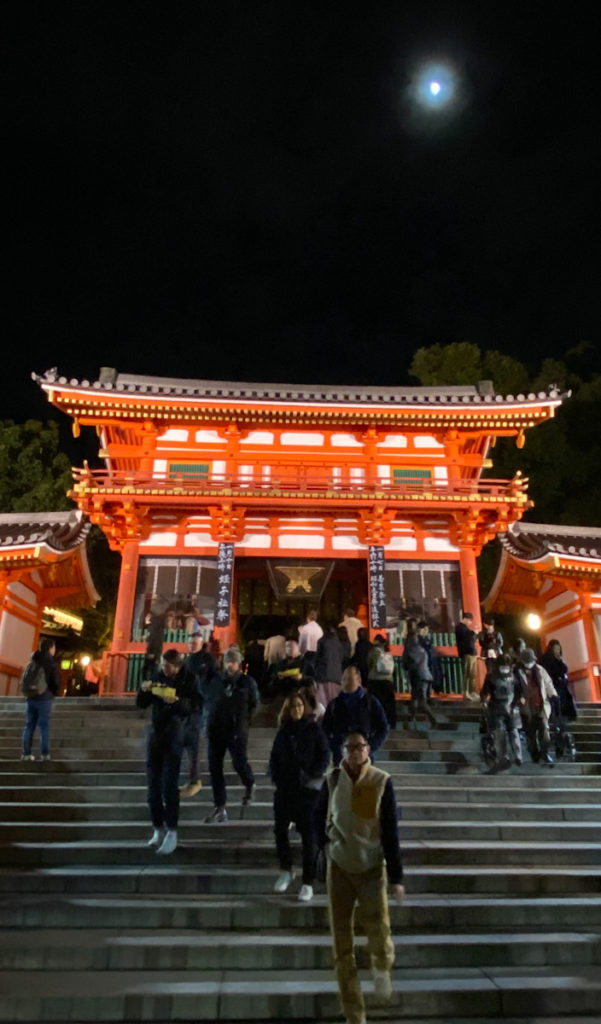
299 758
564 706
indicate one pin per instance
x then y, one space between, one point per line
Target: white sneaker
306 893
283 881
169 842
382 985
156 838
27 757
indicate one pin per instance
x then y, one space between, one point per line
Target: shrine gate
297 484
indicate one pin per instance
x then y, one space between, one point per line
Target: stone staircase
503 873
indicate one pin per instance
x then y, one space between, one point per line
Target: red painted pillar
592 646
123 617
469 584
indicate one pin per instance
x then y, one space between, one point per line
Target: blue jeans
38 713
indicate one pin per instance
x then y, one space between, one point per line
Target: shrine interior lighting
533 621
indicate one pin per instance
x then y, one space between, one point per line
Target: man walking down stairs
501 921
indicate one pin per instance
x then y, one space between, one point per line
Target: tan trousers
469 664
368 890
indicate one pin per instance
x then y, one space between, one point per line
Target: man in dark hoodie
39 706
354 710
227 729
173 695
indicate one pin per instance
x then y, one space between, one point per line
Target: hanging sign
377 590
225 579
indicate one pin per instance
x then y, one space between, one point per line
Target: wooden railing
294 479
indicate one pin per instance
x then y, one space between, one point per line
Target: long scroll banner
377 590
225 579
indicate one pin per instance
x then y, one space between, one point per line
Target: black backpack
33 680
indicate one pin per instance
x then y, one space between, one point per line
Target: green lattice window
404 474
189 470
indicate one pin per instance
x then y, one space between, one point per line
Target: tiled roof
481 394
61 531
531 541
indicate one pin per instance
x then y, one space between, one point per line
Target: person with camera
172 695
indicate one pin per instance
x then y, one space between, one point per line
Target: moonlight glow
435 86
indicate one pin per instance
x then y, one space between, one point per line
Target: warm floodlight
533 621
86 660
435 88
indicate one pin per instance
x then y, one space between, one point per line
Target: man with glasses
357 824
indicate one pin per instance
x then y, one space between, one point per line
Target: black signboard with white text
377 591
225 579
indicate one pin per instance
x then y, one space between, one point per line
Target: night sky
250 190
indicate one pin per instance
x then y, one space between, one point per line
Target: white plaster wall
357 474
218 468
345 441
258 437
199 540
573 644
296 541
346 543
402 544
256 540
17 640
426 441
173 434
559 601
393 441
441 473
306 438
24 593
438 544
159 468
384 474
164 540
208 437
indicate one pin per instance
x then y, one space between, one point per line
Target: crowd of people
334 690
523 697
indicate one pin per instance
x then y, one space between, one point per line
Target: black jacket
168 717
300 754
329 660
415 661
232 711
362 712
465 638
47 661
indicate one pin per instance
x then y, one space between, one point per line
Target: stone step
267 912
570 798
458 764
209 849
235 995
528 777
136 950
160 879
195 810
242 825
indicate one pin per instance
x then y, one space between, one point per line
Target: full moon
435 86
